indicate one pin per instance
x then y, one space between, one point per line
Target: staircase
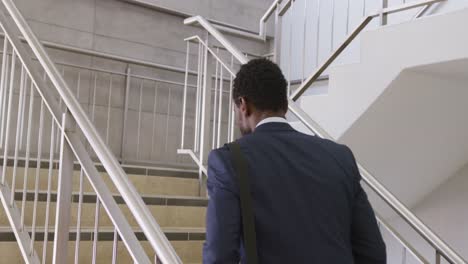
67 198
177 207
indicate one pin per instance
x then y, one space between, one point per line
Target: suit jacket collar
274 126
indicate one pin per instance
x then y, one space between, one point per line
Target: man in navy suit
308 203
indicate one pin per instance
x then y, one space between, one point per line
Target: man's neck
264 116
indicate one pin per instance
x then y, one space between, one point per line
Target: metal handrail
218 36
312 78
132 198
401 240
109 56
435 241
214 54
265 17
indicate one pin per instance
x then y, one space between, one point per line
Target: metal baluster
125 113
318 34
93 109
332 27
23 109
64 193
115 246
28 153
205 113
139 119
197 102
403 256
18 127
220 113
215 103
167 119
184 103
8 121
60 104
94 98
290 58
384 17
304 42
347 17
438 258
109 106
3 89
78 86
78 220
38 172
200 105
364 7
153 138
49 190
96 230
230 101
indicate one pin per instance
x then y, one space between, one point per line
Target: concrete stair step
147 182
169 211
188 243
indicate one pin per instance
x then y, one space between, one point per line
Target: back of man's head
262 83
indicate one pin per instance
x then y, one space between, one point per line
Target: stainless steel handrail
134 201
401 240
437 243
265 17
214 54
218 36
109 56
312 78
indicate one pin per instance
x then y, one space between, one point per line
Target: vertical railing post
205 111
62 216
196 139
384 16
184 103
304 34
278 30
125 112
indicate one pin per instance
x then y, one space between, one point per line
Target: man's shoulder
338 151
220 170
332 146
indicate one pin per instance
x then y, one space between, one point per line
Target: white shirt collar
272 120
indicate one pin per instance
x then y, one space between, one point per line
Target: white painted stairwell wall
312 29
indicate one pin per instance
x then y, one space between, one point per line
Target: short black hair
262 83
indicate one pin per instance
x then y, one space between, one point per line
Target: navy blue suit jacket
308 202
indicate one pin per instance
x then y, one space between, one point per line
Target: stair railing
31 102
442 250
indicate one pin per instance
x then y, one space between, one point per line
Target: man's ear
245 106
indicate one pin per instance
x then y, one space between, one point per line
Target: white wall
240 13
445 212
334 19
